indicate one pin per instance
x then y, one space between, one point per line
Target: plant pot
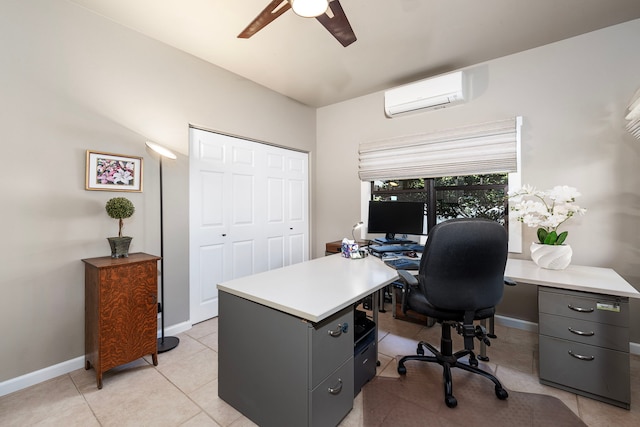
551 257
119 246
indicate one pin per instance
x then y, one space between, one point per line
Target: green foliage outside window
471 196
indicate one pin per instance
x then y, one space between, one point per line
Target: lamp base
167 343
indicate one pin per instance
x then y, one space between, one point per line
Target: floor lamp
164 343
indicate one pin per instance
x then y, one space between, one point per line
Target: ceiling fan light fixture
309 8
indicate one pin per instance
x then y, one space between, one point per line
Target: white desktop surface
575 277
315 289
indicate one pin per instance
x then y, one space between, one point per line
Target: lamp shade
309 8
164 152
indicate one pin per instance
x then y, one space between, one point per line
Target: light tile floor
183 389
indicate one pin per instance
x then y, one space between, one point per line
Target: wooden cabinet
584 344
121 306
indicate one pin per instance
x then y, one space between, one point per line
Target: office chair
461 279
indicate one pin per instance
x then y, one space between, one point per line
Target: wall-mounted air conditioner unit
429 94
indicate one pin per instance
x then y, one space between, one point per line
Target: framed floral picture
113 172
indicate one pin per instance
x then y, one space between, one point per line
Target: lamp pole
164 343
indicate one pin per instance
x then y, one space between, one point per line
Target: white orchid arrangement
546 210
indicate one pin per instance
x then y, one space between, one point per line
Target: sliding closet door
248 213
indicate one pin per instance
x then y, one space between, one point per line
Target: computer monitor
393 217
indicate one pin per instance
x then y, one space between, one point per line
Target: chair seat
419 303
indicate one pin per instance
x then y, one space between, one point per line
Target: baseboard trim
175 329
511 322
41 375
44 374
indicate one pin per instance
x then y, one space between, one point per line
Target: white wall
572 96
71 81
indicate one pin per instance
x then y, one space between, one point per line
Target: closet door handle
581 357
586 334
580 309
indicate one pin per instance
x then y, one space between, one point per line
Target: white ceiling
399 41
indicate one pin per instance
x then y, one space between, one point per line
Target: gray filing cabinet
584 344
280 370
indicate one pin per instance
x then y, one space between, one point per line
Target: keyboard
403 264
397 248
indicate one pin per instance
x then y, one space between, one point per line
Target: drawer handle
581 310
342 327
586 334
337 389
581 357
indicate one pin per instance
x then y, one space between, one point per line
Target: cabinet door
586 368
128 307
143 315
583 305
590 333
331 343
332 399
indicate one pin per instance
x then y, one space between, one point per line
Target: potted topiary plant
119 208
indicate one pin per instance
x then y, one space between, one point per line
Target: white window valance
470 150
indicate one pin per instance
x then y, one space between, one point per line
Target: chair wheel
403 371
450 401
501 393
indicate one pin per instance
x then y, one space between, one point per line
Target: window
465 171
470 196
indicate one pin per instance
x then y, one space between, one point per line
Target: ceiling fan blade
338 25
268 15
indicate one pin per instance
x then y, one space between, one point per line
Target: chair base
448 360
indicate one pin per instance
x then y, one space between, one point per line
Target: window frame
514 228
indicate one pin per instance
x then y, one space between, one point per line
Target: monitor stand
390 239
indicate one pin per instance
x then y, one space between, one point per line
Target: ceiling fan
332 18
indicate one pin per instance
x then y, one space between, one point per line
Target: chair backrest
463 262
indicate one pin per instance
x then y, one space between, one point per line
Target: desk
285 339
583 328
578 278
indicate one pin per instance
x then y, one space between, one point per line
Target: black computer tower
365 351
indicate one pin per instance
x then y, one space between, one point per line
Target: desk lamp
353 230
164 343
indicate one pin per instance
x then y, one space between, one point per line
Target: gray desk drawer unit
584 344
306 376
